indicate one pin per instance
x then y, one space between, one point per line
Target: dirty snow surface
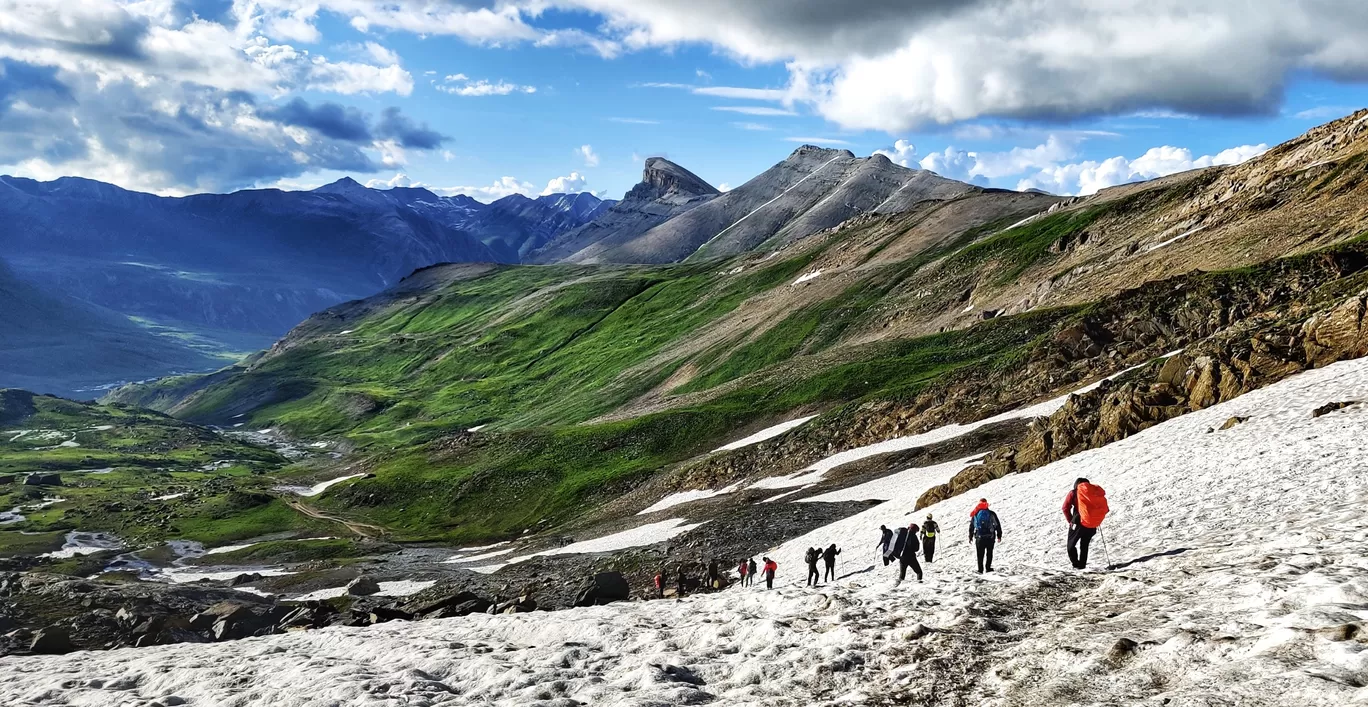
1241 579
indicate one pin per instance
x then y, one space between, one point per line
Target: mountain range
225 274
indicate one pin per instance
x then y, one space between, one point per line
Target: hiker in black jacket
885 540
751 569
905 549
928 538
984 531
829 557
813 554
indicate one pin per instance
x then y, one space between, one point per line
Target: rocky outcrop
604 588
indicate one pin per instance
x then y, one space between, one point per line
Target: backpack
1092 504
983 523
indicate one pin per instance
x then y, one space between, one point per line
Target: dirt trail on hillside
365 530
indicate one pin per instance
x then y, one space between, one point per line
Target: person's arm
997 525
1069 501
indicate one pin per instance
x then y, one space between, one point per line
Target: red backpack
1092 504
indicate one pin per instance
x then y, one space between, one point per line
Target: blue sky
501 96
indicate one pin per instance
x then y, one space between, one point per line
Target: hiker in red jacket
770 568
741 569
660 584
1084 508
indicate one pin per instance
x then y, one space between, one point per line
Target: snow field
648 534
310 491
1244 580
401 588
675 499
767 433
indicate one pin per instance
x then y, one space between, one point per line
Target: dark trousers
813 575
983 549
769 580
928 549
909 560
830 574
1079 539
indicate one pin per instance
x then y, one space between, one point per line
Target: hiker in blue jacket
984 532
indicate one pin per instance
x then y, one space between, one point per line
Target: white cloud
724 187
1324 113
1090 176
758 127
876 65
749 94
502 187
381 53
569 184
902 152
817 140
461 85
755 110
703 74
587 152
398 180
978 167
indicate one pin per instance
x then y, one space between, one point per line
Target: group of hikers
1085 506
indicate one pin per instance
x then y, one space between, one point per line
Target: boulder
446 602
1233 421
1331 407
363 586
43 480
52 640
243 579
604 588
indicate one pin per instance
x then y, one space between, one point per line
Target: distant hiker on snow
984 531
741 570
679 579
770 568
885 544
811 557
660 584
905 549
928 538
751 570
714 576
1084 509
829 557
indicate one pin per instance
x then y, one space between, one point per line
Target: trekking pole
1105 551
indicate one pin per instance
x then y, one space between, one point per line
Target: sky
495 97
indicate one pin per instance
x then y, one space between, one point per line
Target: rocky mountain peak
662 177
810 151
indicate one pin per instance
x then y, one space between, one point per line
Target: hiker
751 569
885 544
1084 508
679 586
811 557
905 549
928 538
741 570
984 532
660 584
770 568
829 557
714 576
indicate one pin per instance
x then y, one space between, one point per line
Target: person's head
928 516
984 501
883 527
1079 480
766 559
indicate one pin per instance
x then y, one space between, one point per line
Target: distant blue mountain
236 271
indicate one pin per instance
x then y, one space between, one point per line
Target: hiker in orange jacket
1084 508
770 568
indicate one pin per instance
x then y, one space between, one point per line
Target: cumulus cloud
1090 176
587 153
877 65
398 180
902 152
152 96
979 167
502 187
570 184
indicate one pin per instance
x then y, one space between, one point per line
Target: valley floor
1242 579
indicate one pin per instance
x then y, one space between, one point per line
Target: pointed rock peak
661 177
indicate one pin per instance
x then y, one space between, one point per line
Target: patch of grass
1016 250
285 551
